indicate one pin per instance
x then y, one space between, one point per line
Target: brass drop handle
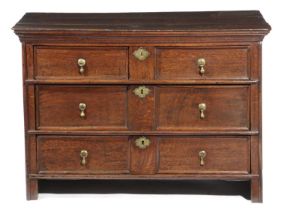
202 154
201 62
142 142
202 107
83 155
81 63
82 107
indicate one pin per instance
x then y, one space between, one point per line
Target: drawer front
202 108
100 63
182 63
82 154
217 155
61 107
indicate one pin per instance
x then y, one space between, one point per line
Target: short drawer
204 155
202 63
76 154
202 108
102 63
82 107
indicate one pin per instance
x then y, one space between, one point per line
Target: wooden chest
143 96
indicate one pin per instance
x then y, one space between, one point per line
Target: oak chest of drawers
143 96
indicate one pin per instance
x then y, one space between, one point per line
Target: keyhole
142 142
141 91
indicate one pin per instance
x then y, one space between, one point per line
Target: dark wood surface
223 155
144 161
227 108
221 63
165 155
160 21
58 107
61 155
101 63
165 108
169 116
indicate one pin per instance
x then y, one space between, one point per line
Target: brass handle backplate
142 142
141 91
83 155
201 62
202 154
82 107
202 107
141 54
81 63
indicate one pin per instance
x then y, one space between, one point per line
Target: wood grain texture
139 82
224 155
125 28
151 21
31 167
256 190
227 108
62 155
29 61
174 177
101 63
147 132
142 70
141 110
221 63
256 168
31 189
30 112
144 161
58 107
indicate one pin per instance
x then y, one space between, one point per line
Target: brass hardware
83 155
141 54
141 91
81 63
201 62
142 142
202 154
202 107
82 107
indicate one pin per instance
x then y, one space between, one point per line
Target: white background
12 177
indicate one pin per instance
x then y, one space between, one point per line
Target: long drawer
170 108
143 154
138 63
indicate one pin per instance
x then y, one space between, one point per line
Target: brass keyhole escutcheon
141 91
141 54
83 155
202 107
81 63
201 62
82 107
142 142
202 154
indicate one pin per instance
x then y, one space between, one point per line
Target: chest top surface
216 21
